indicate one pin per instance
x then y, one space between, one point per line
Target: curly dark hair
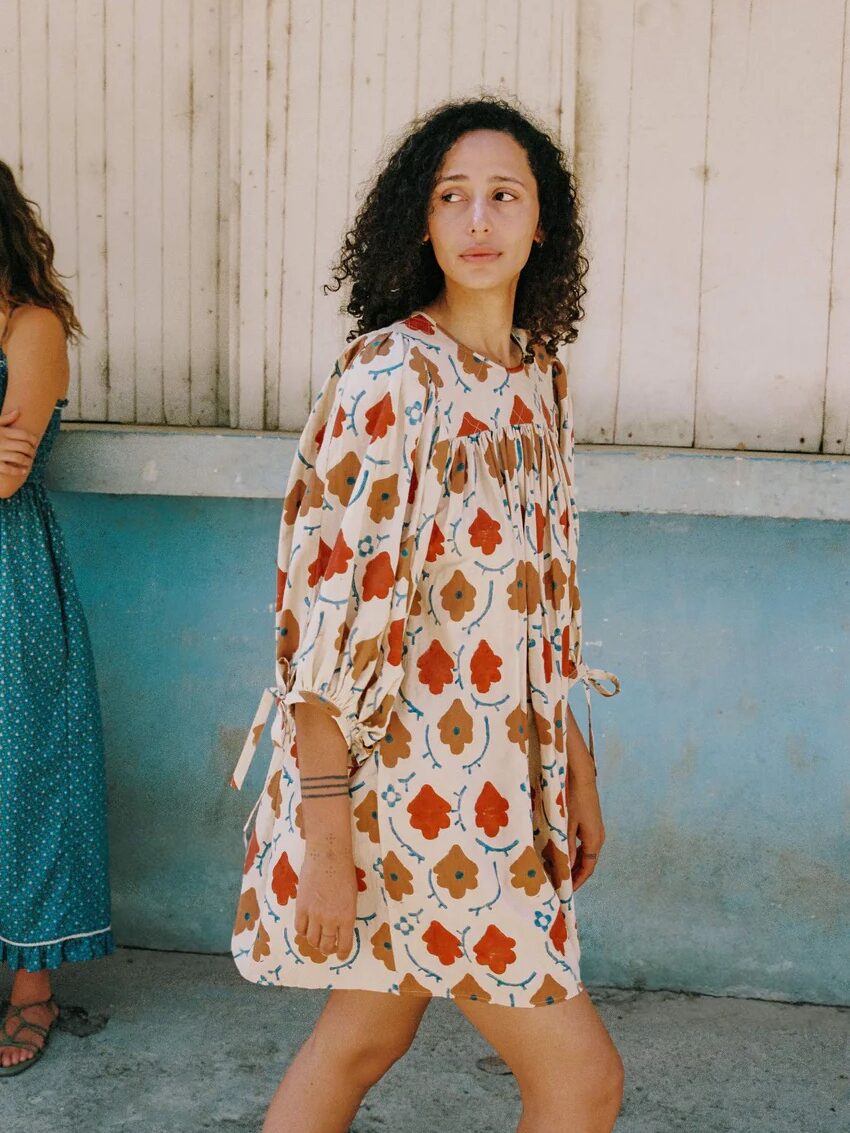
27 274
391 272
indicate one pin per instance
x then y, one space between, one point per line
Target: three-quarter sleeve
578 669
354 536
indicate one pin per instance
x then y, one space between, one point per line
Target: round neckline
477 355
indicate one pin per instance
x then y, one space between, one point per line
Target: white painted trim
60 940
159 461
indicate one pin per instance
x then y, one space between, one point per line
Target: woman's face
484 212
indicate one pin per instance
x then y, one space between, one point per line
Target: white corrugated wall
197 162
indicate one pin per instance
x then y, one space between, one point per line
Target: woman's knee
365 1053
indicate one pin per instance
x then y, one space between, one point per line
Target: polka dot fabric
428 600
54 888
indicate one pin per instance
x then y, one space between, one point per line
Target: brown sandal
16 1014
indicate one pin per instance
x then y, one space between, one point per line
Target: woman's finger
11 433
345 943
9 415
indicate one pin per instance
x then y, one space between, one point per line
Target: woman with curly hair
54 887
431 806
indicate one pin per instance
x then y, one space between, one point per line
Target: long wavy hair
27 274
391 272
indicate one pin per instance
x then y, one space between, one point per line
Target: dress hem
72 950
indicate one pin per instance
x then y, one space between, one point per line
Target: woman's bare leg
356 1039
569 1073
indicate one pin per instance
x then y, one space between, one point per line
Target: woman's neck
482 321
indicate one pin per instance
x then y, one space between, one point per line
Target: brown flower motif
247 911
554 584
376 348
397 877
550 991
557 864
456 872
366 816
524 591
288 636
306 949
469 988
458 596
456 727
527 872
382 946
383 498
274 792
343 477
261 944
518 727
396 742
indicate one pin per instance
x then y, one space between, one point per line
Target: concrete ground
174 1043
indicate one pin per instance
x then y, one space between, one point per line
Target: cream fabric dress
428 598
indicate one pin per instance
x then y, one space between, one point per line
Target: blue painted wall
723 761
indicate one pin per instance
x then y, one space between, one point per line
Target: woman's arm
579 760
37 358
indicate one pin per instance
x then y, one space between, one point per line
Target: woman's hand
17 446
326 904
585 823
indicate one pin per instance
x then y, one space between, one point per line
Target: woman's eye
451 193
505 193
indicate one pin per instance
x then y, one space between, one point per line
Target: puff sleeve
578 667
353 538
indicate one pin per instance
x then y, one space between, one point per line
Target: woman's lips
479 257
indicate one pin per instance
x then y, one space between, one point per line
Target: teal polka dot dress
54 882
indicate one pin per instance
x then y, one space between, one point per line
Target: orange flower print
520 412
550 991
470 425
554 587
442 943
527 872
248 911
485 532
274 793
420 323
316 569
379 417
360 876
558 932
524 591
339 558
469 988
396 742
366 815
284 880
306 949
456 727
485 667
557 863
383 498
395 641
292 501
251 852
495 950
288 636
517 725
456 872
342 478
436 544
382 946
539 526
379 577
491 810
397 877
429 812
436 667
261 944
458 596
547 659
564 520
281 589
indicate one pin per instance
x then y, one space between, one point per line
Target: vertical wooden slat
120 212
332 190
535 47
501 33
278 73
367 97
91 208
229 75
660 322
35 84
836 430
232 208
467 58
601 164
204 211
62 158
773 118
250 374
10 87
434 65
400 66
299 214
148 175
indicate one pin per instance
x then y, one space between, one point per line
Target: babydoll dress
54 881
427 598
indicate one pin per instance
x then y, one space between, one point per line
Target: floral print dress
427 598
